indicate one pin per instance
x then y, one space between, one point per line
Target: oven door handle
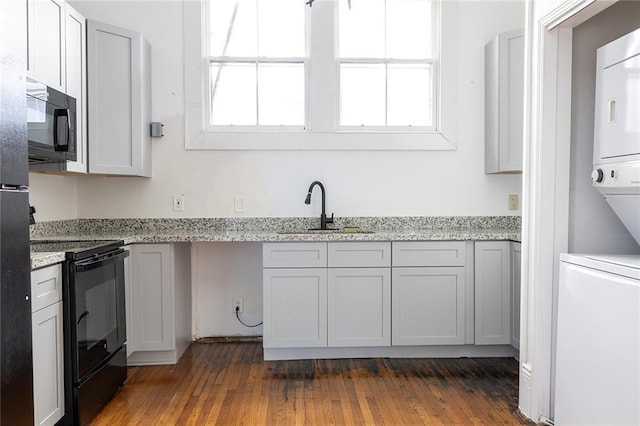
101 260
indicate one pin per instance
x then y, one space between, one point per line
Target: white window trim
197 137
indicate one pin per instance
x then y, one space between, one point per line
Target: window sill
319 141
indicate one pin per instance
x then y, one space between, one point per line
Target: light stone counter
482 228
42 259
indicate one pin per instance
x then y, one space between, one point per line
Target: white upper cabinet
46 42
119 82
76 82
504 102
13 28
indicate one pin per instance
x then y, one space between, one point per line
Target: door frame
545 221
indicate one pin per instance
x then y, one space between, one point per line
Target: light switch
238 204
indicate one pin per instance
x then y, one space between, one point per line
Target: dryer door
617 127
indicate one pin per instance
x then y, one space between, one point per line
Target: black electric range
94 322
76 249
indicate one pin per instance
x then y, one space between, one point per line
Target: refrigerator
16 360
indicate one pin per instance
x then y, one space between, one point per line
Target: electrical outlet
178 203
513 202
238 302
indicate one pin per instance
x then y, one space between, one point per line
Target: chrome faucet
323 217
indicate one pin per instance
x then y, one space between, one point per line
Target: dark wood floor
229 383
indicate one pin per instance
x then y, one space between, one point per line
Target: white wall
54 197
274 183
593 226
224 271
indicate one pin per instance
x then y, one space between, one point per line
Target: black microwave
51 124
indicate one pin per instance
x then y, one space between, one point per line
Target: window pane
233 94
361 29
281 28
409 95
233 28
362 95
281 94
409 29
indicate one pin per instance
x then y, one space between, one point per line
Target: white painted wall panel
274 183
221 272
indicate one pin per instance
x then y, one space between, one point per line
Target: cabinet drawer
429 253
294 255
365 255
46 287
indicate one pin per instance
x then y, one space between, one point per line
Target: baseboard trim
229 339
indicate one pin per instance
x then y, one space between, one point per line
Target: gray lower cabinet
327 294
359 294
428 293
516 262
158 302
377 294
359 307
48 345
295 307
493 292
428 306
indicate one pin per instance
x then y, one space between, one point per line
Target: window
386 63
358 74
257 63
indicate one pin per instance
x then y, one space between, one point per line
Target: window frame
257 60
323 131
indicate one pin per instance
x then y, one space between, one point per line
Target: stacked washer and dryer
598 338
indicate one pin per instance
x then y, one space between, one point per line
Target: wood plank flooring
229 383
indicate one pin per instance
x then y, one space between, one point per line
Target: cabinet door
13 29
516 259
359 307
295 308
428 306
151 290
504 89
46 42
118 73
493 293
76 79
48 365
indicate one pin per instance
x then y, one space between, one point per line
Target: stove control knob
597 175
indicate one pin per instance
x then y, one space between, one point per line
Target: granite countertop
131 231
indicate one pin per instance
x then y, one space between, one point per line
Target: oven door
97 311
